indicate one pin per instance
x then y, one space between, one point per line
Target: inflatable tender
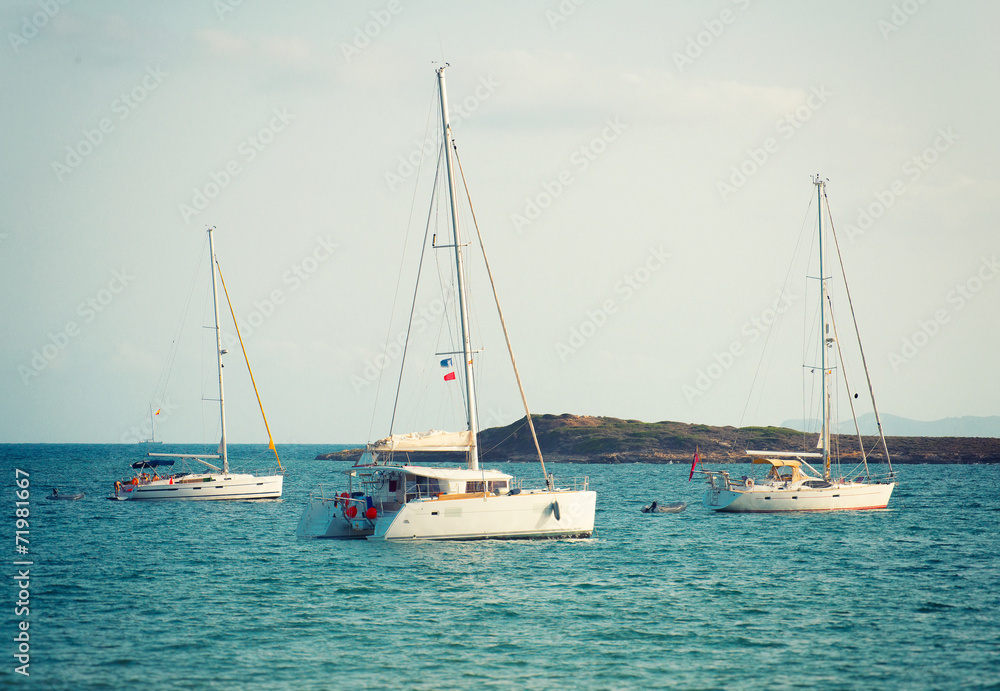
656 507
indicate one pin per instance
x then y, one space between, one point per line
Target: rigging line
771 328
413 304
168 365
496 298
402 259
843 367
497 445
451 325
857 332
270 439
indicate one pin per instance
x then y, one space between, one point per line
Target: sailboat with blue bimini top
389 497
789 481
154 477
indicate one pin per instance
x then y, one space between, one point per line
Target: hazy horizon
641 172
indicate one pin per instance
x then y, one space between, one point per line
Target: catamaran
790 482
389 498
153 479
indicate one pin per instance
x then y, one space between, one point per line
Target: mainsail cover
432 440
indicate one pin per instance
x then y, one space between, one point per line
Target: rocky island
583 439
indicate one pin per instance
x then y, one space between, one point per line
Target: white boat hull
324 518
208 487
528 515
769 499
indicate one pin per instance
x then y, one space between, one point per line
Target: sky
641 173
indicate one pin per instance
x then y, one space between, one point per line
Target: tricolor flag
694 463
450 376
446 363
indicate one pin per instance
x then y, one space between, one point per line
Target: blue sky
641 172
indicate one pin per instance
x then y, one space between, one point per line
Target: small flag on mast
446 362
450 376
694 463
157 411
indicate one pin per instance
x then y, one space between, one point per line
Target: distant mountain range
894 426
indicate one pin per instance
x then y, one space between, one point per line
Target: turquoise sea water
221 595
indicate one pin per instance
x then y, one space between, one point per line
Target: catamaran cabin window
424 486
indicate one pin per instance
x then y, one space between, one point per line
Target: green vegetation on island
585 439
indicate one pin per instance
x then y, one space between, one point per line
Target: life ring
749 483
135 481
343 499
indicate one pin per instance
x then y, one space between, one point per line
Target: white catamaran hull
530 514
209 487
764 499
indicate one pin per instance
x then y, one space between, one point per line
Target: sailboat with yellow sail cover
154 478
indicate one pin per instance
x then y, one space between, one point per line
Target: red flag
693 464
449 377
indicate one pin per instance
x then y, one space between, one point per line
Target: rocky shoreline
583 439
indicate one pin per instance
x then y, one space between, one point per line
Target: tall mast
473 454
218 352
824 330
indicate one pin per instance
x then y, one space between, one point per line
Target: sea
222 595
